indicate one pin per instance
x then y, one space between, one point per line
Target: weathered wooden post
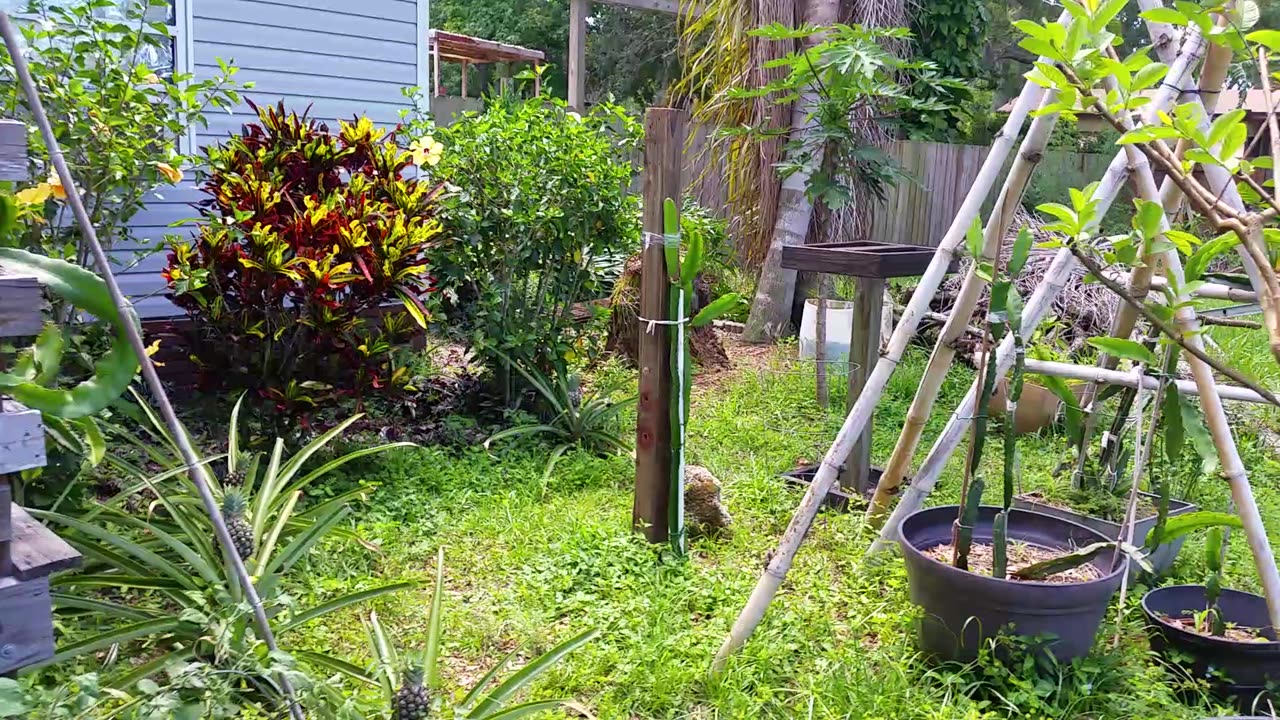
663 149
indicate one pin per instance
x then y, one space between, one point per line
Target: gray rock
705 513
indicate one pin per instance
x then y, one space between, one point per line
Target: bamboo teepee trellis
1129 164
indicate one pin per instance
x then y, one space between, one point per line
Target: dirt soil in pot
1020 555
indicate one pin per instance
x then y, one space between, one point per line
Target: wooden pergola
467 51
578 11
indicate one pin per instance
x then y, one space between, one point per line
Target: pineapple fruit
412 701
235 478
233 507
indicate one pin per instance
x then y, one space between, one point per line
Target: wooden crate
29 552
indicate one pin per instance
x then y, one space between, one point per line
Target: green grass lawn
529 564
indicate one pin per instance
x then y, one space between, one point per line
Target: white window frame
184 59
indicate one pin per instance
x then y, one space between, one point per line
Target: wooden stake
578 10
664 142
864 352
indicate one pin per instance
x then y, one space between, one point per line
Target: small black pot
963 610
1238 671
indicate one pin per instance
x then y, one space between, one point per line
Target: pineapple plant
412 701
233 507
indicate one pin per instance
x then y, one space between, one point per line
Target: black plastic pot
963 611
1238 671
1161 558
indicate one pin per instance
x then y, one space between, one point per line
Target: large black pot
963 611
1238 671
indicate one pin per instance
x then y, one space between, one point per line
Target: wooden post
578 10
436 81
537 79
663 145
864 353
465 66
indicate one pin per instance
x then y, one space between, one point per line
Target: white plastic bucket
839 326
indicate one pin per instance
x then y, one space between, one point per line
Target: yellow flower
55 184
35 195
169 172
427 151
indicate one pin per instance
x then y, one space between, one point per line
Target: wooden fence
920 210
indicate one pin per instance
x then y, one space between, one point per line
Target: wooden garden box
29 552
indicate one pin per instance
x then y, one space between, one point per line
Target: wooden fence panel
920 209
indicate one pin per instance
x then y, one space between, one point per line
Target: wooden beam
671 7
21 305
578 10
663 152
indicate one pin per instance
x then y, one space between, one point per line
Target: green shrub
539 204
308 232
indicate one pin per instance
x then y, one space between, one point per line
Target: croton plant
306 234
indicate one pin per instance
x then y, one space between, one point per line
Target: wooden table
870 264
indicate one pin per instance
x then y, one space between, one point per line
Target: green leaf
495 700
1124 349
715 309
1269 39
115 636
1021 251
1073 416
1199 261
1148 76
112 373
1201 440
13 701
323 609
1179 525
435 620
973 239
525 709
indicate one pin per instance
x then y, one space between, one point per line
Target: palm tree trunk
770 316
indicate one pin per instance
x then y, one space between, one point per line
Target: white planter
839 326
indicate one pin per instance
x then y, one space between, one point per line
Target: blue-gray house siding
340 57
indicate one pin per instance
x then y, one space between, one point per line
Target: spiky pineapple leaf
495 700
431 657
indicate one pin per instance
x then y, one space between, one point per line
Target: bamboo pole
195 468
1217 61
858 417
1042 299
944 351
1220 429
1212 291
1106 376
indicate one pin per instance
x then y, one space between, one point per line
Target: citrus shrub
306 235
539 209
